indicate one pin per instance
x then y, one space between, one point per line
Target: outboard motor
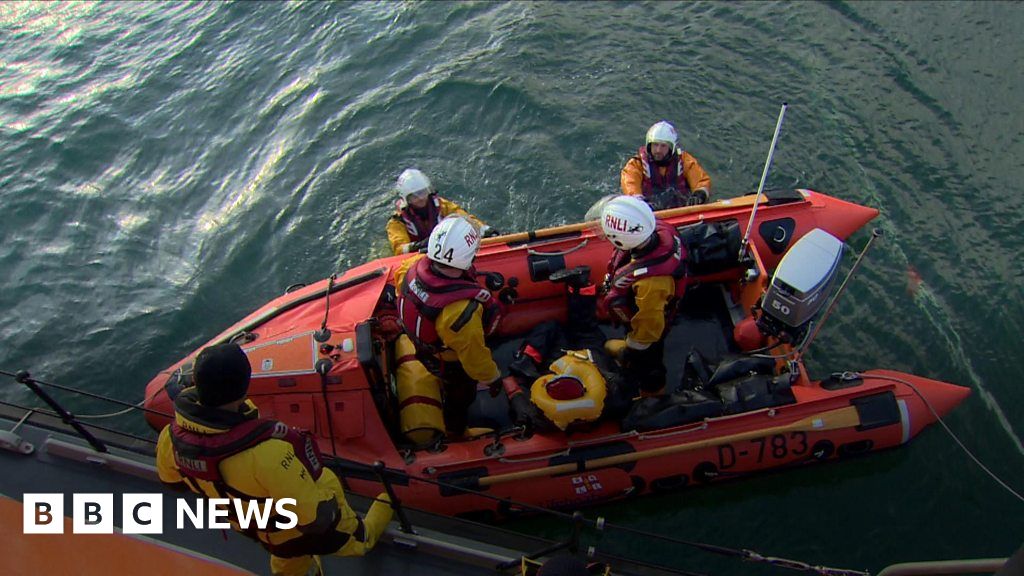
800 285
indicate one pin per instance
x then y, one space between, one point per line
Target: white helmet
627 221
663 132
412 182
454 243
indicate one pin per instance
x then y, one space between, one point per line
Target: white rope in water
111 414
948 431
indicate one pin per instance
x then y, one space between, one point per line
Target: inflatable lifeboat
740 400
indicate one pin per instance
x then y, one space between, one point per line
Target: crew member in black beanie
219 447
221 375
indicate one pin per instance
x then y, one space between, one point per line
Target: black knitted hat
221 374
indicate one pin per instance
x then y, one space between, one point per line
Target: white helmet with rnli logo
627 221
412 182
663 132
454 243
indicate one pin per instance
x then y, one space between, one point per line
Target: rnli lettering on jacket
424 294
673 184
420 227
198 456
666 258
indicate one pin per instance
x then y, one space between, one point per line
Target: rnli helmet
662 132
413 183
454 242
627 221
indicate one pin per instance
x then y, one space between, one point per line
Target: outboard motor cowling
800 285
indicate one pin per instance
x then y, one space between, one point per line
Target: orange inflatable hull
352 409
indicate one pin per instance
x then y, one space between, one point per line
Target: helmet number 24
448 254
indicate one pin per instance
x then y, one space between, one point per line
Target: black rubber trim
359 471
581 455
468 479
778 196
877 410
541 266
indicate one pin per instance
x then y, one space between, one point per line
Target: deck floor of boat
703 323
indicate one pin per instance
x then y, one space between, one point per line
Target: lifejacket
667 257
425 293
568 405
198 456
668 191
419 227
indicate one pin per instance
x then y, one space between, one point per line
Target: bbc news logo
144 513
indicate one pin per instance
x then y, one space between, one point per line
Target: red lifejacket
425 293
666 258
198 456
668 191
419 228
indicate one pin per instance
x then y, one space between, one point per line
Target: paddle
833 419
569 228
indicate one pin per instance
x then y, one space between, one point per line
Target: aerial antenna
760 187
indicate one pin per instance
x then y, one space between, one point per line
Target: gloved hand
490 231
631 359
412 247
494 388
698 196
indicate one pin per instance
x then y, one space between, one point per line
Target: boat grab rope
847 375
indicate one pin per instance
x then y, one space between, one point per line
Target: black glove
631 359
494 388
417 246
492 231
699 196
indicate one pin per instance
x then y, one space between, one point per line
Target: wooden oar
568 228
833 419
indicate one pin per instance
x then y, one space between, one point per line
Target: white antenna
760 187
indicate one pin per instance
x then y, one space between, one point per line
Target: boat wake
935 310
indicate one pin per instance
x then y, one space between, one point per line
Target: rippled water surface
167 168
